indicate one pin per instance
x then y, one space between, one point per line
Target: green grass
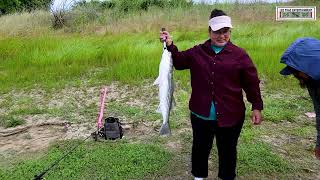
56 61
104 160
256 158
11 121
286 106
259 158
17 110
128 51
51 62
304 131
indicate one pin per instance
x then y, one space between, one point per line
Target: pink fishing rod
103 95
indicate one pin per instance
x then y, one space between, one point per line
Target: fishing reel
111 130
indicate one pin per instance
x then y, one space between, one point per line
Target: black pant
226 139
314 92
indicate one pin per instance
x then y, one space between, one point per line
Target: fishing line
40 175
102 101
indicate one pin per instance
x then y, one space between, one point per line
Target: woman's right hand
165 37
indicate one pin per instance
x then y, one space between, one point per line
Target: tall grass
127 49
22 24
98 47
93 19
49 61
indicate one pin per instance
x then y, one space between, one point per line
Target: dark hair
302 82
215 13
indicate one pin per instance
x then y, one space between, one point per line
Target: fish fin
157 81
165 129
158 109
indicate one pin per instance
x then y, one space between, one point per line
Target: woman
302 58
219 72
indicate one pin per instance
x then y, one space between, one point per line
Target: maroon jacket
220 78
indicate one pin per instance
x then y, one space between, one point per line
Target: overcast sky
61 4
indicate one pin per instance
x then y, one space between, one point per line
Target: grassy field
55 60
139 160
50 74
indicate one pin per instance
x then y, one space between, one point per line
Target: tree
12 6
7 6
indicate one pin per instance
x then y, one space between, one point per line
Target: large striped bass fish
166 88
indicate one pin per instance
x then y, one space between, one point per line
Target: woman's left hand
256 117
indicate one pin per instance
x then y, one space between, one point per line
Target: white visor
219 22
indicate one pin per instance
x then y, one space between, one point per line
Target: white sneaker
196 178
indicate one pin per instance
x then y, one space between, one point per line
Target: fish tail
158 109
165 129
157 81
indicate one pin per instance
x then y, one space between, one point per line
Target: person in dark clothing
219 72
302 58
313 87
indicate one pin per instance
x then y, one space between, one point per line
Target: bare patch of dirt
79 97
140 130
38 136
31 140
132 95
280 137
34 137
175 146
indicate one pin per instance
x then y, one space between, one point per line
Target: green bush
12 6
125 6
84 12
7 6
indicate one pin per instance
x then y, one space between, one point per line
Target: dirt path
37 136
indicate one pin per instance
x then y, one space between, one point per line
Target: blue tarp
303 55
